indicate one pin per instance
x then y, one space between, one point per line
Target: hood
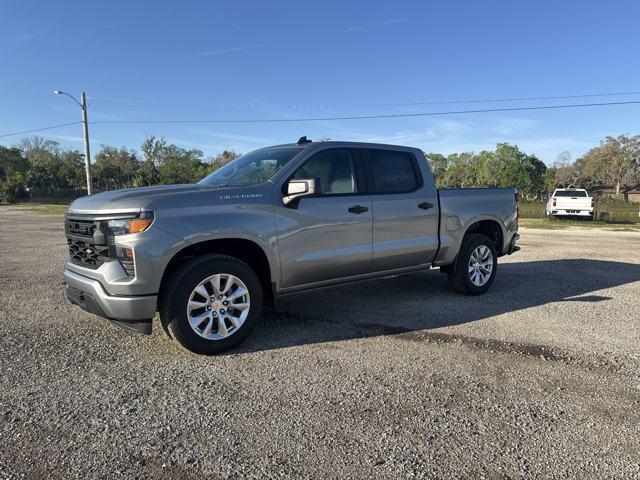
128 200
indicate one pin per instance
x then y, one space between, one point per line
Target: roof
343 144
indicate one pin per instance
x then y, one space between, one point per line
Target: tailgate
573 203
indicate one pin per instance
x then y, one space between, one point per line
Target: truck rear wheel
476 265
211 303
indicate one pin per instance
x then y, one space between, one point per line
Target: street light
85 128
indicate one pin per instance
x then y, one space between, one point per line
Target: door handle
425 205
357 209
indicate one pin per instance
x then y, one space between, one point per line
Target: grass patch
560 223
44 208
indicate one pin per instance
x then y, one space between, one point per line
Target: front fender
254 223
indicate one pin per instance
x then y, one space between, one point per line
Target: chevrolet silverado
272 222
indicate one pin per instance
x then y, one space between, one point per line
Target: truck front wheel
476 265
211 303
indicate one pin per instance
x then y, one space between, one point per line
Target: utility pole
85 129
87 154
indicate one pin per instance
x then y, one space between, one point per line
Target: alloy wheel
218 306
480 265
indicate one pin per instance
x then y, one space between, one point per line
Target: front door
327 235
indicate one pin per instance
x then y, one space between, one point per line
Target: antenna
303 140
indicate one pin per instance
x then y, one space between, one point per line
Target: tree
460 172
174 164
565 172
517 169
549 179
115 167
487 166
42 156
181 166
152 150
506 166
147 174
439 165
614 162
221 160
13 173
50 166
71 169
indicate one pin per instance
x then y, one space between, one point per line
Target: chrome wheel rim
218 306
480 265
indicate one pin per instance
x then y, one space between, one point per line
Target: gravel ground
396 378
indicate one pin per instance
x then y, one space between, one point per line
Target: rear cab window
570 193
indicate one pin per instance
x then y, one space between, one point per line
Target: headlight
132 225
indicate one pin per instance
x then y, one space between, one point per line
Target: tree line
36 163
613 163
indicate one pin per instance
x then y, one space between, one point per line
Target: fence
54 195
606 209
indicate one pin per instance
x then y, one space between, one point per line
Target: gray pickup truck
272 222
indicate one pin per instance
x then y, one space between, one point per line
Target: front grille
87 254
83 228
91 243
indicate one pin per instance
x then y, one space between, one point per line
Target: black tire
175 297
459 278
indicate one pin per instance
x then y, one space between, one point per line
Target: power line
368 117
325 119
39 129
354 105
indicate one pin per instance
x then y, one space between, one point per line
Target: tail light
517 205
554 201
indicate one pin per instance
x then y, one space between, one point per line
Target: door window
333 171
391 172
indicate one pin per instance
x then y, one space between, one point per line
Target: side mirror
296 189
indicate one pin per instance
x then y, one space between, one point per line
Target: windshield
570 193
252 168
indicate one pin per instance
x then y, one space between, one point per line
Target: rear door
405 211
328 235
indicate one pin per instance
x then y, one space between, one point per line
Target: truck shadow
422 301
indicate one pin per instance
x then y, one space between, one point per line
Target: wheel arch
489 227
243 249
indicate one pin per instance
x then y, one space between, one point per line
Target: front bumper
132 312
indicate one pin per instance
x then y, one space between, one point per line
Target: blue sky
203 60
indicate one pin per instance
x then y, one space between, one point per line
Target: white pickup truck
570 202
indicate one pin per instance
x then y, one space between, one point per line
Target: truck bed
462 207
